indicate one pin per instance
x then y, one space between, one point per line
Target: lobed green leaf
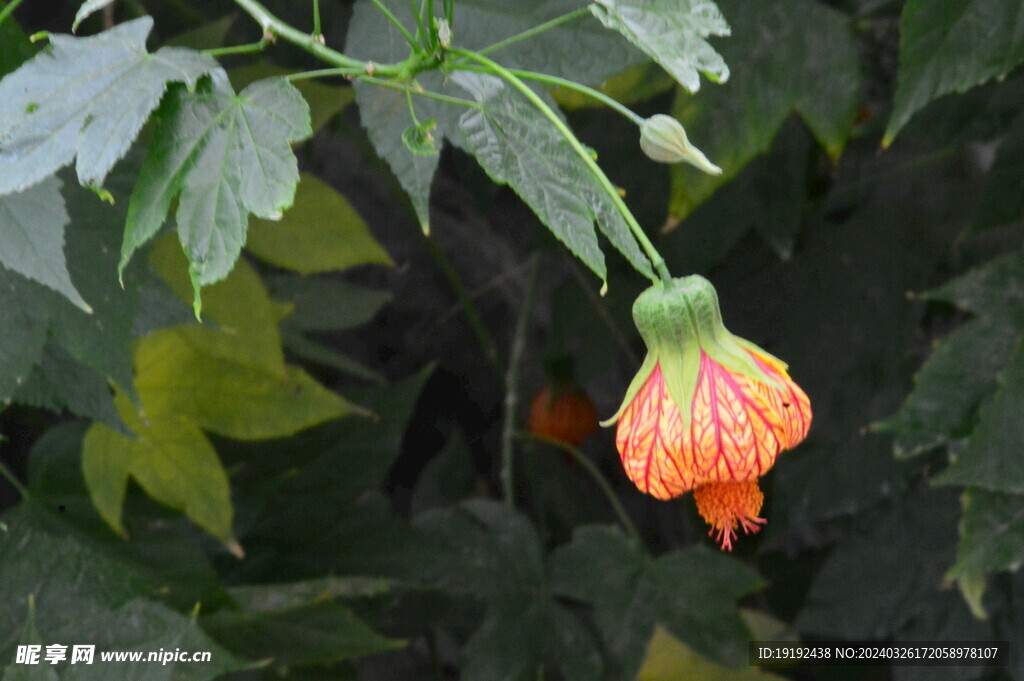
692 592
991 533
85 596
986 462
951 385
878 592
87 97
798 56
672 33
952 46
496 557
516 145
32 230
227 155
580 49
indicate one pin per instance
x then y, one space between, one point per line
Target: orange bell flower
708 411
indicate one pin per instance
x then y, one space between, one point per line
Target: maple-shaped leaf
30 312
32 230
672 33
952 47
581 50
228 155
88 8
85 97
692 592
516 145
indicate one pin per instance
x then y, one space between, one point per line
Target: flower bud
444 32
663 139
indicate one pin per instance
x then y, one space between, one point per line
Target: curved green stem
418 91
398 24
656 260
344 72
595 473
275 27
512 385
412 109
569 85
529 33
9 9
416 17
236 49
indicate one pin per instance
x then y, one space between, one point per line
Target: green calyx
679 321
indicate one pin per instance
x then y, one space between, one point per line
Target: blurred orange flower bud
569 416
708 411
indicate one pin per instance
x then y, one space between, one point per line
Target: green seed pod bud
444 32
663 139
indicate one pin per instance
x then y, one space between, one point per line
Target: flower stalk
515 361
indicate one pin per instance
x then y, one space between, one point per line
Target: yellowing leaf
180 372
231 380
669 659
321 232
240 305
171 459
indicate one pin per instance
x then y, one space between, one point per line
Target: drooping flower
708 411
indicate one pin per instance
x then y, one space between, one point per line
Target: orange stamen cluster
729 505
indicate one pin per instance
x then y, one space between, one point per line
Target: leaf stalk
529 33
274 26
237 49
569 85
8 10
